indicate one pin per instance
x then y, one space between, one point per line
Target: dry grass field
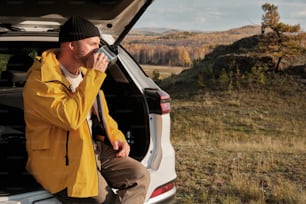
163 71
240 146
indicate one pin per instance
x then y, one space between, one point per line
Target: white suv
141 108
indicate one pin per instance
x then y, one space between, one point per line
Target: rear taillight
164 102
158 101
162 189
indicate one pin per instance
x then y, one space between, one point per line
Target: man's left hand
122 148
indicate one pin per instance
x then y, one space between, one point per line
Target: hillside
247 62
180 48
176 37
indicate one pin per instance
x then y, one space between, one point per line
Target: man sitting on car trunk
62 99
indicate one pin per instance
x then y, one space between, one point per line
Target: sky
218 15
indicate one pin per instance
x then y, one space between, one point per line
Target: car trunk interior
13 176
127 106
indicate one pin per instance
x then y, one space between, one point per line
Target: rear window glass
16 58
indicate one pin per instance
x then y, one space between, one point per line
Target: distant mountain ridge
162 30
162 46
153 30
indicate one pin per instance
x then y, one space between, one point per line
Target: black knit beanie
77 28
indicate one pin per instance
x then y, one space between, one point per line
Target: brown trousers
128 176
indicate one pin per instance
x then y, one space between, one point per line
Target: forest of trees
165 55
180 48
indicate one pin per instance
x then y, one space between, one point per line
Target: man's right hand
100 62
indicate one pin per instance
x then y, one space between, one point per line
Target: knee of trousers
138 174
142 176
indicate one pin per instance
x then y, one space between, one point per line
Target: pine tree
271 19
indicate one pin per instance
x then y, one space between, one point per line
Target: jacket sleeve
110 125
52 101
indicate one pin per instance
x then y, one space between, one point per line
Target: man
61 96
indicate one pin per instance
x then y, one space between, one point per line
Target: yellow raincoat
58 138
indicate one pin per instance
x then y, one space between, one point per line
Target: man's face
84 49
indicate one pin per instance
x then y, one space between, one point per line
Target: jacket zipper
67 134
66 156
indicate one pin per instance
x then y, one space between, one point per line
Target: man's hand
99 62
122 148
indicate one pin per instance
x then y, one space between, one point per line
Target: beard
81 57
